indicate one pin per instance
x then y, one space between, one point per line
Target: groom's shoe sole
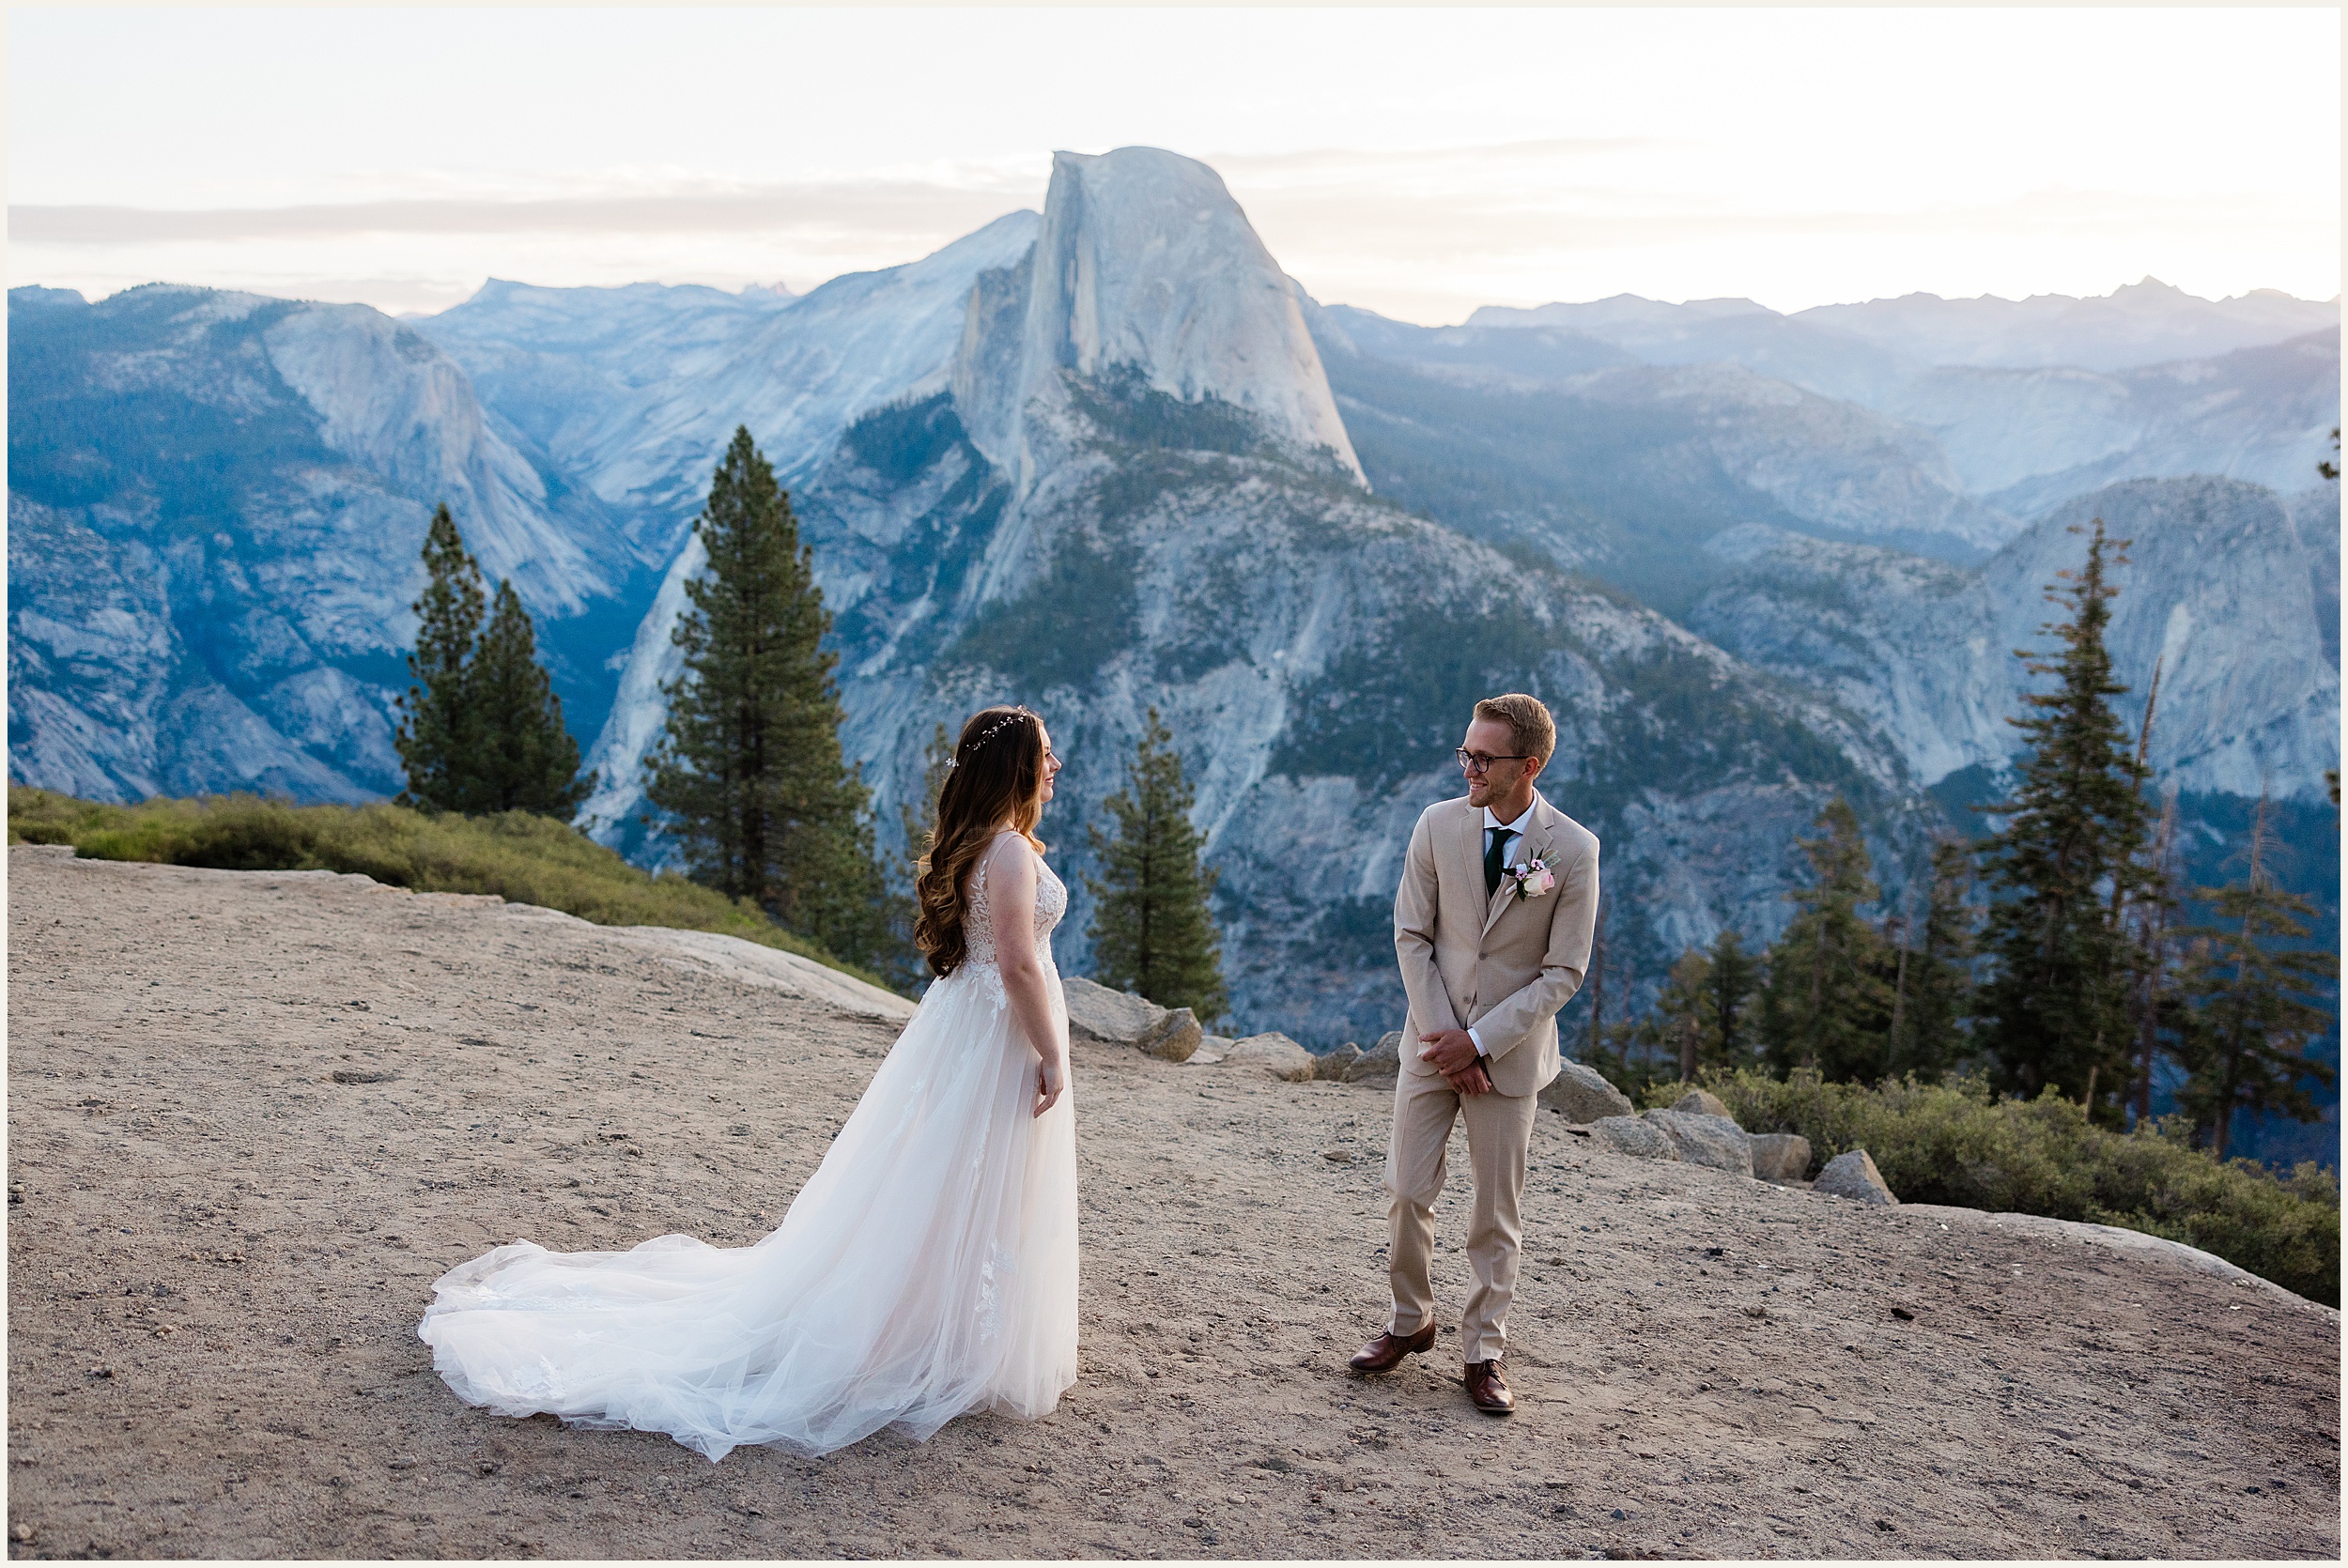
1388 1351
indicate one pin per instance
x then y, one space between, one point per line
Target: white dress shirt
1493 824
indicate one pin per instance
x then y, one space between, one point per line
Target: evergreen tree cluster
2050 958
482 731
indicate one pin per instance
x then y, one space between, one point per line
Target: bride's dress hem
927 1270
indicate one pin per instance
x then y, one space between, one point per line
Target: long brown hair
997 776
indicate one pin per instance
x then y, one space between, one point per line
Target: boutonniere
1533 879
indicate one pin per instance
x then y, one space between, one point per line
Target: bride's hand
1051 1081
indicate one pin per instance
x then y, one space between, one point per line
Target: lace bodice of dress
978 921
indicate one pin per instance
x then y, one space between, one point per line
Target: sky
1419 162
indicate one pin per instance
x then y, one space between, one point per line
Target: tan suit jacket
1503 966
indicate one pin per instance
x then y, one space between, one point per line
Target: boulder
1339 1063
1854 1176
1211 1049
1780 1156
1381 1061
1583 1096
1631 1135
1107 1016
1713 1141
1276 1054
1174 1037
1701 1102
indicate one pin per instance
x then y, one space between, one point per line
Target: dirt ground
218 1249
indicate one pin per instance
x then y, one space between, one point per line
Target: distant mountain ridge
2138 324
1108 455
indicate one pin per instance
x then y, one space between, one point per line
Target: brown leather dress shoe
1489 1390
1385 1352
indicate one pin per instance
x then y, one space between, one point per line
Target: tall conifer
2253 1006
1828 1002
1152 932
2054 1011
1682 1028
440 734
1931 1038
919 821
750 771
526 760
1733 979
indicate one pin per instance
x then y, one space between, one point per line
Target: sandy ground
218 1251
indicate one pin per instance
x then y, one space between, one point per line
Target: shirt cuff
1477 1041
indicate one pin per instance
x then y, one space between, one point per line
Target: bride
927 1268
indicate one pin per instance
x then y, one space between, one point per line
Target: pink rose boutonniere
1534 878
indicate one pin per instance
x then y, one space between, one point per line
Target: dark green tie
1496 858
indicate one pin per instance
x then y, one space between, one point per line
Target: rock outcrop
1275 1053
1780 1156
1381 1064
1107 1016
1697 1138
1580 1094
1636 1136
1174 1037
1339 1065
1853 1175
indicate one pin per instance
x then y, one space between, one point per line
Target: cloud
879 209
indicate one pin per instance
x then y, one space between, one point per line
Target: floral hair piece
992 729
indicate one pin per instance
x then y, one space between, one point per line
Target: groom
1492 925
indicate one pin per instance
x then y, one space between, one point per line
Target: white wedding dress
927 1268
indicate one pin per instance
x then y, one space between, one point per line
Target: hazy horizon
1417 163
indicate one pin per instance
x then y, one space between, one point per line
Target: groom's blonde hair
1535 732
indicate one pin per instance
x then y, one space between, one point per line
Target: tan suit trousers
1500 1140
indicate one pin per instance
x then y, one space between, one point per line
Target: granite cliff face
1144 270
216 502
1314 650
2232 589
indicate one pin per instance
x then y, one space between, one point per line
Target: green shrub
521 858
1959 1143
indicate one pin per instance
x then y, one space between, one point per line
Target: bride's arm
1010 901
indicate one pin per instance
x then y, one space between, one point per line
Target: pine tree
2054 1012
1828 1001
2152 1000
440 735
749 772
1152 932
526 759
2252 1007
1682 1022
1733 979
1931 1038
918 822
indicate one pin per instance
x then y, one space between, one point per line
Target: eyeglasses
1475 761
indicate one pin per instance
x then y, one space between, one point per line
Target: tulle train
927 1268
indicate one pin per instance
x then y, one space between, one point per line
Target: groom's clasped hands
1453 1054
